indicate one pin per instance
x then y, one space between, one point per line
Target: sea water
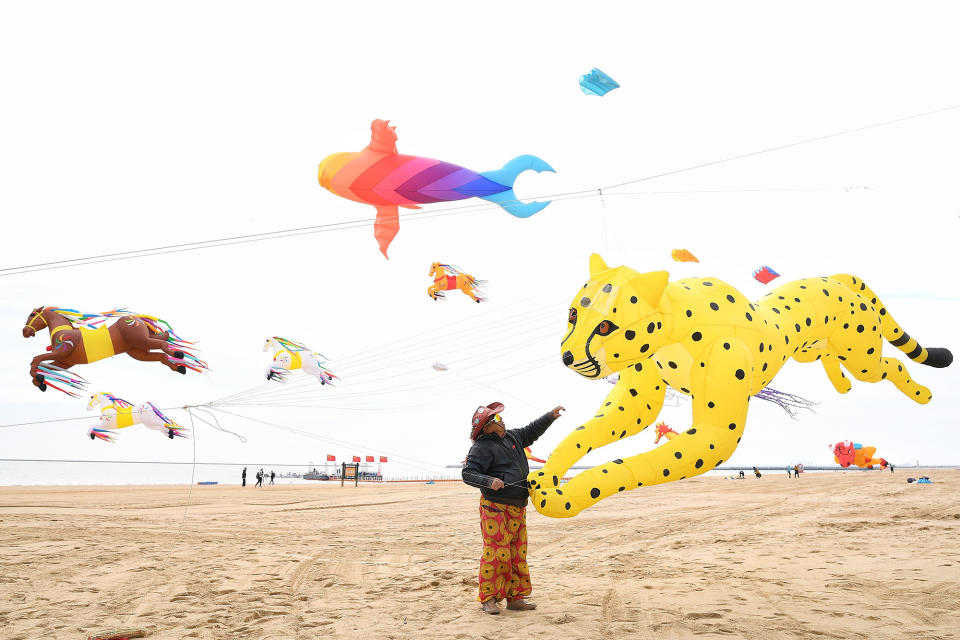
138 473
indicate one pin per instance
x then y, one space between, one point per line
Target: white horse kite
289 356
117 413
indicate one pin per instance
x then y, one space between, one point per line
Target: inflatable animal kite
82 338
705 339
117 413
381 177
449 278
289 356
848 453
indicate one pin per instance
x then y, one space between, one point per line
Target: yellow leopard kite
703 338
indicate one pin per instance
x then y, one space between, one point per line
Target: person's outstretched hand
497 484
556 412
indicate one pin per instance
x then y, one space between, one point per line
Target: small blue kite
597 83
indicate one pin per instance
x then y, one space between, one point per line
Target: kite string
156 578
371 385
375 354
259 237
400 359
280 235
406 391
87 417
193 469
492 388
379 363
785 146
215 424
461 209
342 443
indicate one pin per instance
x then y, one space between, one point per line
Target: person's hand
556 412
497 484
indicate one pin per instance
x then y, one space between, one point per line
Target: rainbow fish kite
385 179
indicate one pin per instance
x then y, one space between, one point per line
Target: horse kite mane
290 344
120 402
92 320
78 319
454 270
156 325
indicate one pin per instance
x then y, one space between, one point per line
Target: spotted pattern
704 338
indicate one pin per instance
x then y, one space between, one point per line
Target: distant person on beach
891 467
260 478
756 472
497 465
741 474
243 478
796 471
789 469
272 476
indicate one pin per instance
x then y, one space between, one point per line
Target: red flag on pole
331 458
369 458
383 458
356 458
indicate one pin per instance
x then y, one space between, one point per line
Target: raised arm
529 434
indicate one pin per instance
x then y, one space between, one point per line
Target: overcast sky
129 125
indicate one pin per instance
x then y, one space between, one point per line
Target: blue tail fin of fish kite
507 176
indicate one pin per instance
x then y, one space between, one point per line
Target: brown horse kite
76 338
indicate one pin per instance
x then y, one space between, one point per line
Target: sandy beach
855 555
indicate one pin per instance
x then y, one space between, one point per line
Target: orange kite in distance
682 255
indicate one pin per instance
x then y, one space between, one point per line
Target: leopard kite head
614 320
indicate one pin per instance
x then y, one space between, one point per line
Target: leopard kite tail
893 333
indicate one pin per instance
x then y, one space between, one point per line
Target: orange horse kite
455 279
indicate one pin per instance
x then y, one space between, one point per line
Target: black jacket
494 457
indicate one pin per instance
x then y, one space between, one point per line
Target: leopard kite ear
650 286
597 265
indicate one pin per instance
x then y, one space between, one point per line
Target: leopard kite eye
572 318
605 328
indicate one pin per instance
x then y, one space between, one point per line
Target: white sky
127 125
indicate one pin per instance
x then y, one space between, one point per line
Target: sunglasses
496 418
